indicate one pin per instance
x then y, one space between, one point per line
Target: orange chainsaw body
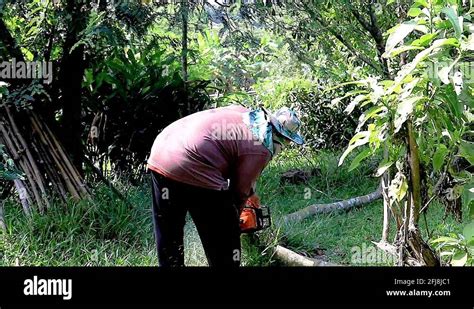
254 217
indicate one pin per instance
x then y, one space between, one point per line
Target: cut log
291 258
284 255
337 206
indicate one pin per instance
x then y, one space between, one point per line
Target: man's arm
247 171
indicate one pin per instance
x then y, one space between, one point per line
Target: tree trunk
70 84
420 249
325 208
414 161
385 183
386 220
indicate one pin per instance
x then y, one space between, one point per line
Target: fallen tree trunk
337 206
291 258
284 255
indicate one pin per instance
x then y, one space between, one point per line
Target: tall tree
71 73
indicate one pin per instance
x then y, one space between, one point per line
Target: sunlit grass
106 232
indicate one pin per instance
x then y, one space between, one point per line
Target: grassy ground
106 232
334 236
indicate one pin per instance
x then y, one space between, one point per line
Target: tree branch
341 39
375 32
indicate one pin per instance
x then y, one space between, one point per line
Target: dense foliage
392 76
424 115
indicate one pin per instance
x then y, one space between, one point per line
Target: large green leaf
439 156
467 150
451 98
414 12
459 258
355 102
361 156
397 51
382 168
443 73
468 231
397 34
423 3
423 55
456 21
424 39
357 140
446 240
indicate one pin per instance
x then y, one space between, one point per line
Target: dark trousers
213 212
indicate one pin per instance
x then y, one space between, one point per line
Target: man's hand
253 201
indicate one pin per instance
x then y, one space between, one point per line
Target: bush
325 125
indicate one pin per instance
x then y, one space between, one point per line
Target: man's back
206 149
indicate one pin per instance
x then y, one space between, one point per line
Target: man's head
285 127
274 130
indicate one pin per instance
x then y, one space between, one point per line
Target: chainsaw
254 216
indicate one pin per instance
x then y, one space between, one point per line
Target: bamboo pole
22 194
32 184
69 167
20 187
65 159
62 169
3 225
37 176
48 148
3 197
14 148
52 175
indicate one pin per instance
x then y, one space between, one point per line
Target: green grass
334 235
100 232
107 232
